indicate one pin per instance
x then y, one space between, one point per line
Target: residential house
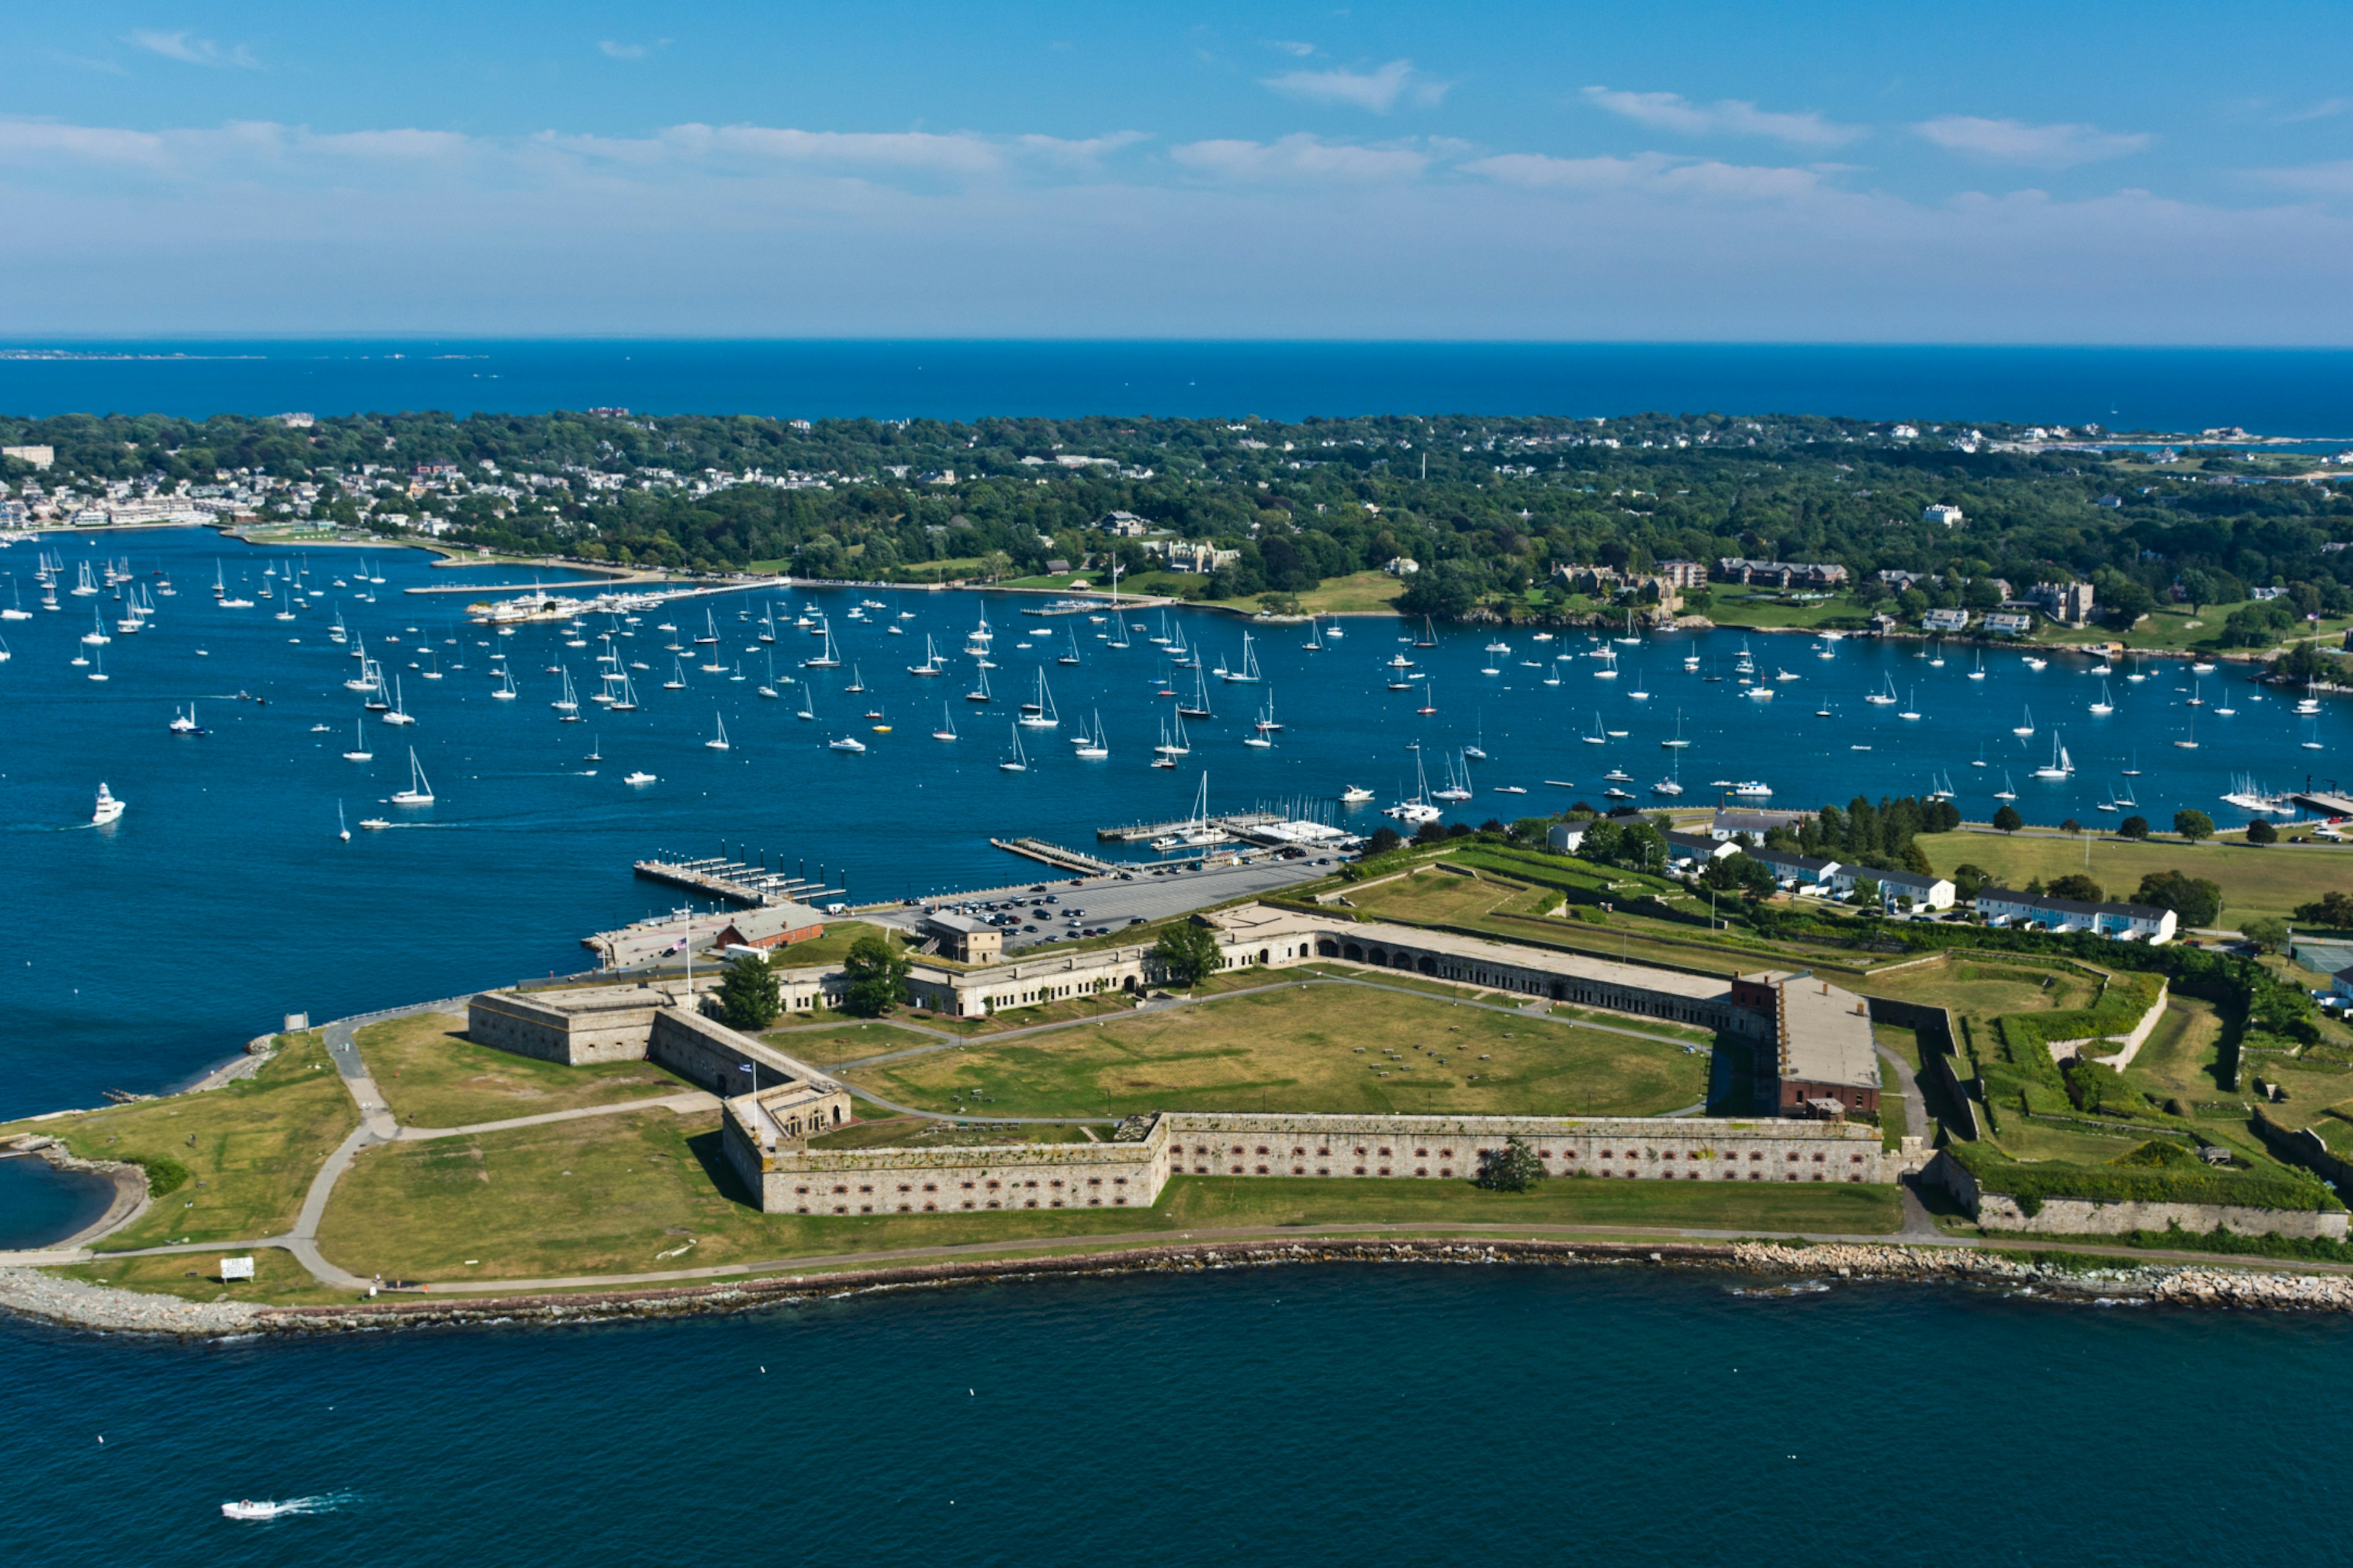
1895 887
2069 603
1951 516
1683 573
1565 837
1123 525
1804 873
1782 573
2010 623
2125 922
1946 621
1756 823
1693 850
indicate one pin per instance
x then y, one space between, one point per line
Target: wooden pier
1237 824
1054 855
735 881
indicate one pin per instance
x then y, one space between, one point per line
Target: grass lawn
1895 1117
2025 1140
251 1148
1985 990
2177 1061
2254 881
922 1132
1306 1049
832 1043
826 950
1434 897
1903 1042
429 1070
1737 607
636 1193
195 1277
1358 593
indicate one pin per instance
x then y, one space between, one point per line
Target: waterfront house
1895 887
2125 922
1946 621
1691 850
2010 623
1804 873
1756 823
1564 837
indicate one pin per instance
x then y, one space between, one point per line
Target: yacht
1912 712
640 777
1886 699
1016 763
2024 728
1355 795
1978 673
2108 702
847 743
718 743
1677 744
419 790
2061 764
2008 791
1091 747
108 808
398 713
1752 789
359 751
185 724
1039 715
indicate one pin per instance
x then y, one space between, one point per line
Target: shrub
1510 1169
164 1174
2262 832
2132 827
1997 1172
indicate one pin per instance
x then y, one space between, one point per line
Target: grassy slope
429 1070
643 1186
256 1144
2254 881
195 1277
831 1043
1295 1049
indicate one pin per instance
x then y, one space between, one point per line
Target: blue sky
1989 174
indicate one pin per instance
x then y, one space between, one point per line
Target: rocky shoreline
105 1309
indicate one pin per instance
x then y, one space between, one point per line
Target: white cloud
1376 90
1738 117
619 51
2316 179
1290 46
1300 157
1647 172
2327 108
2036 146
186 48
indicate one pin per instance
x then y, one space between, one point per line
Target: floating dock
1238 825
735 881
1054 855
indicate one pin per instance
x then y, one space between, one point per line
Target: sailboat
1599 737
1672 784
505 693
1091 747
1458 785
1886 699
948 730
1678 742
1016 763
1247 675
1199 706
718 743
829 657
2061 764
1071 657
99 673
1172 742
2108 702
1978 673
1429 701
1315 643
676 681
399 713
710 631
342 829
930 665
769 688
1912 712
2191 744
627 702
856 680
419 790
359 751
979 693
2025 726
1429 638
1039 715
1478 747
1267 724
1417 809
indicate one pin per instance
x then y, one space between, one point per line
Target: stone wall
1131 1172
2092 1216
610 1024
707 1053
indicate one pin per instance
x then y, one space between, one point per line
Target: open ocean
2282 391
1336 1413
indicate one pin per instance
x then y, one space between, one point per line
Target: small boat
1752 789
108 809
399 713
505 693
1092 746
342 829
2008 791
185 724
1355 795
2061 764
2025 726
1016 763
419 790
637 778
718 743
1678 742
1070 658
1886 699
1912 712
2106 704
1978 673
948 730
847 743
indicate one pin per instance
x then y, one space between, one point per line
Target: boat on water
1416 809
1247 675
1886 699
718 742
1355 795
1752 789
1091 745
1676 742
1018 763
2061 764
109 809
2106 704
1039 713
846 744
185 724
2024 728
2008 791
420 790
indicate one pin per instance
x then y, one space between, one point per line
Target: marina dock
735 881
1054 855
1236 825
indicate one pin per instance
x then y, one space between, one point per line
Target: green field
832 1043
2254 881
249 1147
1306 1049
1985 989
432 1076
278 1279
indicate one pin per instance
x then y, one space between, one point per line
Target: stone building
1824 1062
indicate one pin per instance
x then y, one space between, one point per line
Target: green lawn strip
277 1279
923 1133
2254 881
1903 1042
256 1143
832 1043
1298 1049
643 1186
432 1076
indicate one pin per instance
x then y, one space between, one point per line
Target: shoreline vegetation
2210 544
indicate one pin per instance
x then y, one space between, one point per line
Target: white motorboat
640 777
847 743
1355 795
109 809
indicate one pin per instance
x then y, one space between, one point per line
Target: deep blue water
1309 1416
39 1203
2271 390
140 954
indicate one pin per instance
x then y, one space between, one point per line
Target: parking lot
1111 903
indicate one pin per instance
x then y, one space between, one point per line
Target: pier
1236 824
1054 855
736 881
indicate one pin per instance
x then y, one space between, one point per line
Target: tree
1279 604
2193 824
2334 910
2268 933
1969 880
2262 832
2196 901
1440 589
1509 1169
1383 840
2007 820
2132 827
877 971
2077 886
1187 951
2071 826
1867 891
747 995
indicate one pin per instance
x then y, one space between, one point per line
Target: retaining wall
2092 1216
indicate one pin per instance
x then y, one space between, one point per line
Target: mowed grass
251 1148
1318 1048
1434 897
615 1194
1357 593
430 1071
2254 881
834 1043
1984 989
2177 1059
195 1277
